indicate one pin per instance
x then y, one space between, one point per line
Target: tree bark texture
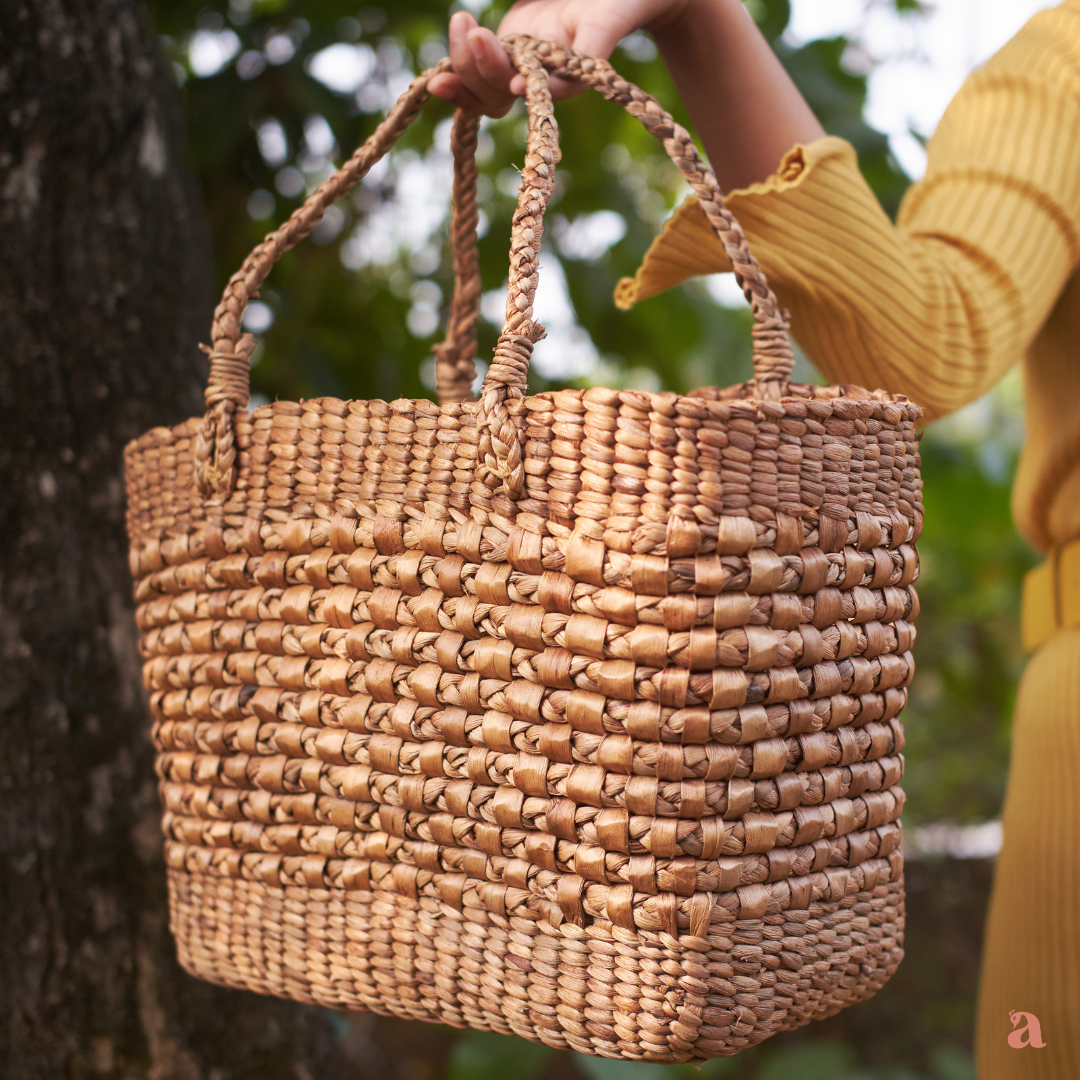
105 290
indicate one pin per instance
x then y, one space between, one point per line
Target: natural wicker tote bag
572 716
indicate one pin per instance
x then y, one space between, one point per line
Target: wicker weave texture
573 715
650 996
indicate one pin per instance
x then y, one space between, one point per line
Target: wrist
671 21
682 20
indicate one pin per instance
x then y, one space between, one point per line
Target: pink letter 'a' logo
1028 1035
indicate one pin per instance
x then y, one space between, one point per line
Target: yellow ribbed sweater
976 276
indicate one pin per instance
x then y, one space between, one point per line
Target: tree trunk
104 293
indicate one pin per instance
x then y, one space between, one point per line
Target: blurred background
277 93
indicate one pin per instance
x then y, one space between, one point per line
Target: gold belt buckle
1068 585
1051 596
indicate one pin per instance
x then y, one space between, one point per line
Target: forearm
744 106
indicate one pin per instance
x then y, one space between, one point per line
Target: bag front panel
655 701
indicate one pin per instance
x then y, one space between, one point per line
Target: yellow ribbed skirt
1031 959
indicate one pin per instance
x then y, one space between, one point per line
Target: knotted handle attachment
230 349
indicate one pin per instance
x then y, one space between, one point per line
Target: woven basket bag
573 716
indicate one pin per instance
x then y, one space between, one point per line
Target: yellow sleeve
942 304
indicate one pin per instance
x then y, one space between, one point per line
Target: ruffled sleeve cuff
687 245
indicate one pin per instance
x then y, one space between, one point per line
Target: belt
1051 596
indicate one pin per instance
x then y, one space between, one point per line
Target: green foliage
772 17
818 1060
837 96
484 1055
804 1057
968 653
343 334
598 1068
952 1063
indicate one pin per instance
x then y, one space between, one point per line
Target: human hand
484 80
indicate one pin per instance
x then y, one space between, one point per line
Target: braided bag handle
500 462
228 387
455 368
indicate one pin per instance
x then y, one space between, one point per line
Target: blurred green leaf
772 17
813 1059
951 1062
485 1055
598 1068
837 96
968 652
